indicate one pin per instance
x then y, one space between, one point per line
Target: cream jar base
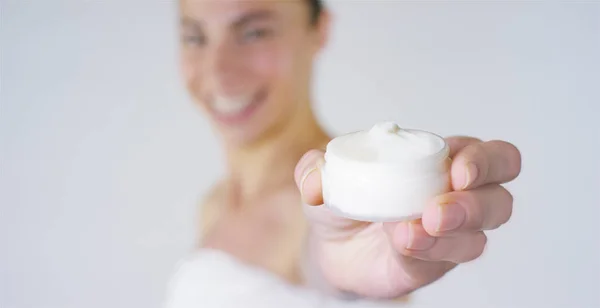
338 212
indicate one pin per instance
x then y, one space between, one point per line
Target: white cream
385 173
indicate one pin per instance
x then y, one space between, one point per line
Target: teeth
231 105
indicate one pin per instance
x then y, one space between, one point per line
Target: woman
248 65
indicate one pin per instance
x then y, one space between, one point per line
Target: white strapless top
211 278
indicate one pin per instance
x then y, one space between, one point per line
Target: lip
244 114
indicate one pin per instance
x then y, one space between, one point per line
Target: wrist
326 270
314 276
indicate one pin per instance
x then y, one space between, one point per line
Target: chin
244 133
241 136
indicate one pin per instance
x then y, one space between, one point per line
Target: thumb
325 223
308 177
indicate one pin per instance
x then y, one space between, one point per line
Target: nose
226 68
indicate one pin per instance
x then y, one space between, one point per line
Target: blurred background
103 157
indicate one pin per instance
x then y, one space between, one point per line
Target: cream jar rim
435 157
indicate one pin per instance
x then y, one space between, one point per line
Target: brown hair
316 7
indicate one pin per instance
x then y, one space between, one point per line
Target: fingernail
470 174
302 163
307 173
451 216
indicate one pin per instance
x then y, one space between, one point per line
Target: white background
103 156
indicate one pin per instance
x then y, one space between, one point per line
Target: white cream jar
384 174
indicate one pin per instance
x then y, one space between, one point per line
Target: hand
388 260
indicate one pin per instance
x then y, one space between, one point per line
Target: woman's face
248 63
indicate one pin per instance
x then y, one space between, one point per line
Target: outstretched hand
388 260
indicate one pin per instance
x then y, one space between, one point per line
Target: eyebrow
258 15
240 22
190 22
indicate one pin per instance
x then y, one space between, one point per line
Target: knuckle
479 245
514 159
478 155
475 151
505 208
509 197
509 203
512 156
484 240
475 211
492 207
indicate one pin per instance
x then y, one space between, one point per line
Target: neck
269 163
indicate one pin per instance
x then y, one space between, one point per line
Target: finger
308 177
457 143
414 272
409 235
411 240
484 163
484 208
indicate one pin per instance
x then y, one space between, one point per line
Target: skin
255 213
266 211
391 259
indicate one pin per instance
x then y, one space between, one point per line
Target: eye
195 40
255 34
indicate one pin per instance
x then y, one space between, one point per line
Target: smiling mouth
235 109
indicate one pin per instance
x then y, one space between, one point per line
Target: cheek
273 60
275 69
268 65
189 65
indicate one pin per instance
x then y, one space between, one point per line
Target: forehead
225 12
